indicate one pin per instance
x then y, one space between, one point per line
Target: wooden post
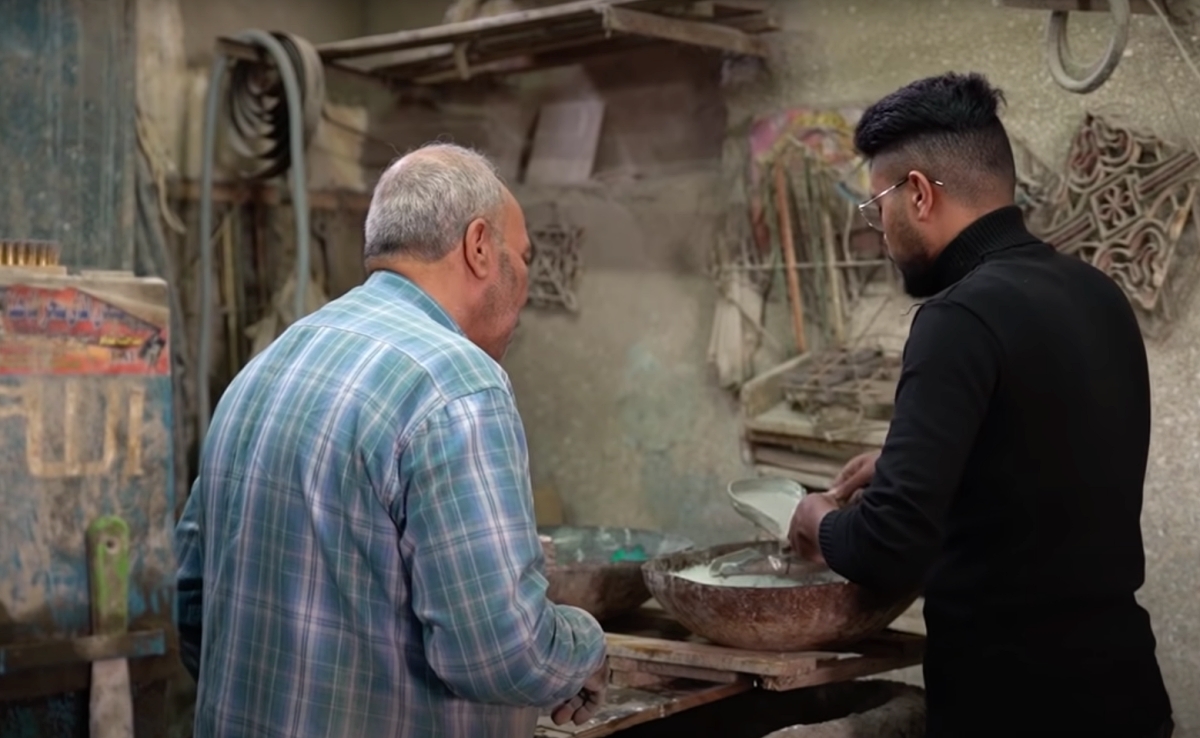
835 279
788 245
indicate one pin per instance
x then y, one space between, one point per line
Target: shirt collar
407 291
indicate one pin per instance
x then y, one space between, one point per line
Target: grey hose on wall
1069 75
286 65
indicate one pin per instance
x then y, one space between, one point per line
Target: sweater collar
997 231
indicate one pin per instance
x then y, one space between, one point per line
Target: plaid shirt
359 550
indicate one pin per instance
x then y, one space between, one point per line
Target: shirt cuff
829 536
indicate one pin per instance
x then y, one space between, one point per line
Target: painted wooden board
85 432
110 707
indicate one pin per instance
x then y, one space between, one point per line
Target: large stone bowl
599 569
829 613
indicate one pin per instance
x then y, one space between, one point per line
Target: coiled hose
1071 76
262 129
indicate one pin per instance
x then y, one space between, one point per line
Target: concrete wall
316 20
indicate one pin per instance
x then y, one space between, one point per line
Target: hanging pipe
287 73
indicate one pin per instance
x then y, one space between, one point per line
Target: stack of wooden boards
805 418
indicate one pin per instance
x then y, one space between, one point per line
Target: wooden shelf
541 38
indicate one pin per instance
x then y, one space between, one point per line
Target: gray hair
425 200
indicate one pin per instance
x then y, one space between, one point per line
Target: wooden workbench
659 669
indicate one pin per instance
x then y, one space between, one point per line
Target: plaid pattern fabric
359 551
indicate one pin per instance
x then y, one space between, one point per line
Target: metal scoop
757 562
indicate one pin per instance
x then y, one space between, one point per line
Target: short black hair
948 125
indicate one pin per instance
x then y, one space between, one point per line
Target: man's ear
922 190
477 250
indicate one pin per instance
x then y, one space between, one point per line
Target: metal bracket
137 644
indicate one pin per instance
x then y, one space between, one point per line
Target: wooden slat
472 29
885 652
582 42
626 708
1135 6
521 64
716 676
811 464
840 670
783 420
695 33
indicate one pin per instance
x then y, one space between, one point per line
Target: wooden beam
468 30
521 65
1135 6
696 33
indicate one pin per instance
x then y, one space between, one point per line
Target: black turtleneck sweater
1010 487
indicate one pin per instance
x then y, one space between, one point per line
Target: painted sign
66 330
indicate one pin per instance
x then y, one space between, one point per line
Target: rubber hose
1069 75
299 203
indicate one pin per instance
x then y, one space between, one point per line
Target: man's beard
916 267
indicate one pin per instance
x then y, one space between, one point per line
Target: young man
1010 484
359 555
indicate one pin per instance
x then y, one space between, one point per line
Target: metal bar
134 645
696 33
466 30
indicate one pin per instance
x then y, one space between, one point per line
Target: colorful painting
65 330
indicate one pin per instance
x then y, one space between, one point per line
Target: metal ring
1065 71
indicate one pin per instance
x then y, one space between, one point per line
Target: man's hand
853 478
583 706
806 524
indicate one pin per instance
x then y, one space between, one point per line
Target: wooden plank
1135 6
526 63
23 656
708 656
473 29
716 676
783 420
840 670
811 464
764 391
695 33
626 708
519 53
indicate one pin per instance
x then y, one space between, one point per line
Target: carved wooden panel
1121 204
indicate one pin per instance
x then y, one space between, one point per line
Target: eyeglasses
871 210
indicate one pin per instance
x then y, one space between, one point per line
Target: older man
1011 480
359 555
